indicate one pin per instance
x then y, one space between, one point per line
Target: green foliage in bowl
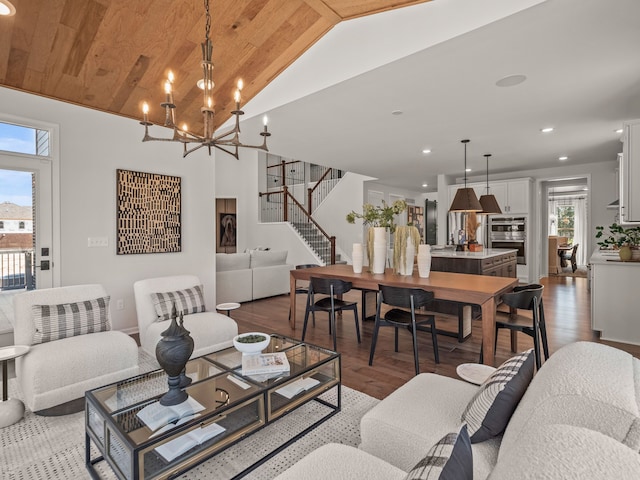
251 339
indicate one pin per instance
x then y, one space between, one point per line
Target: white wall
347 195
92 146
243 179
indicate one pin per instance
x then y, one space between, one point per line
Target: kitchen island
614 288
497 262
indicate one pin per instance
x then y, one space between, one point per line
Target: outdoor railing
16 267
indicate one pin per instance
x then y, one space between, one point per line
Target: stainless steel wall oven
509 232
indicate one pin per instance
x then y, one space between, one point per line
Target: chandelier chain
207 26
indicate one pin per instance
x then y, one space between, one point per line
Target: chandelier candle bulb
145 113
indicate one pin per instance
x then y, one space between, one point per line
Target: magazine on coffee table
156 415
265 363
186 442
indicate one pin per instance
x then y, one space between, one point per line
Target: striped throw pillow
449 459
189 300
490 409
54 322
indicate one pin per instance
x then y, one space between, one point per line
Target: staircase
316 241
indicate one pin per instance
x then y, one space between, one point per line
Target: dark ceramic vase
173 351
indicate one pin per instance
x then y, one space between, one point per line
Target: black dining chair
304 289
333 288
405 301
570 256
525 297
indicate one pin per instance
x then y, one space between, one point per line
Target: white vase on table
357 257
379 250
424 261
406 266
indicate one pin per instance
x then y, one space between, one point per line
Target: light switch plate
98 242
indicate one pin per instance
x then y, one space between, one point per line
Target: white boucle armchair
60 371
211 331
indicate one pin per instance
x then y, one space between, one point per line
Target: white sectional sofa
578 419
242 277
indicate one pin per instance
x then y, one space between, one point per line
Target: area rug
566 272
53 447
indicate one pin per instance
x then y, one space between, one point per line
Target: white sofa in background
210 330
242 277
578 419
59 371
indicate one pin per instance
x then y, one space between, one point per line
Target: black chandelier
229 141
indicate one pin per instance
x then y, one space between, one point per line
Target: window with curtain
568 218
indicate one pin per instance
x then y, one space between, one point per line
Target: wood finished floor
567 313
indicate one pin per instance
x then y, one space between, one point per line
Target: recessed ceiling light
6 8
467 170
619 130
546 129
511 80
396 112
562 158
426 151
424 185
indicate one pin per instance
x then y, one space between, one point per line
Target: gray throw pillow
490 409
54 322
449 459
189 300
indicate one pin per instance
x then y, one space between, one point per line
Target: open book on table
156 415
186 442
294 388
265 363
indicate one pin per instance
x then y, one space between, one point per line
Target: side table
475 373
11 410
227 307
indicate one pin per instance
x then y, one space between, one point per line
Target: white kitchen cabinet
630 174
513 196
614 285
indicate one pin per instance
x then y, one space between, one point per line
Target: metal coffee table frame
109 433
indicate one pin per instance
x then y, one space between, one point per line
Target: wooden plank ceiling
111 55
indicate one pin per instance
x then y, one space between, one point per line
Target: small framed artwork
149 213
227 230
226 225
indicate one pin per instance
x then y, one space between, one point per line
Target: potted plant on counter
379 219
625 240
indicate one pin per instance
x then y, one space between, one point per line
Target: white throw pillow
268 258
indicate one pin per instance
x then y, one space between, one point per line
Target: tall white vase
357 257
379 249
424 261
406 266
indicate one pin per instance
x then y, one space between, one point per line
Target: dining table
466 288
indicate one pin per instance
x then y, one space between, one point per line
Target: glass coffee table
229 407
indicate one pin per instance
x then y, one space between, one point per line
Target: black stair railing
281 206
